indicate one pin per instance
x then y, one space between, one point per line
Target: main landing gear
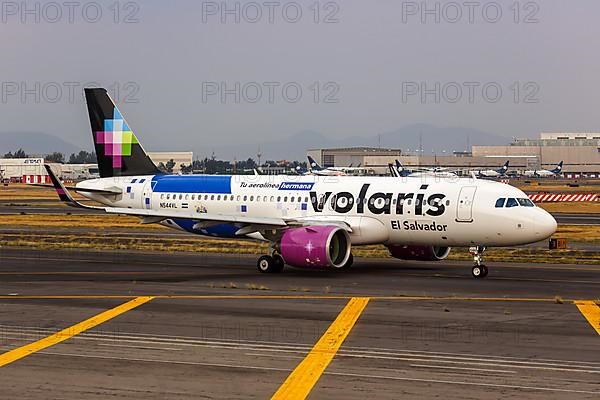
270 264
479 270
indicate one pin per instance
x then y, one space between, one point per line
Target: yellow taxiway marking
591 312
301 381
65 334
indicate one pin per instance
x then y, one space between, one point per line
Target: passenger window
162 196
193 197
278 199
245 198
239 197
257 198
387 202
251 198
500 202
285 199
306 199
205 197
212 197
511 203
272 198
218 197
187 196
447 202
168 196
180 196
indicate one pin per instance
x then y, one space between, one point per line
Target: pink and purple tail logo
117 139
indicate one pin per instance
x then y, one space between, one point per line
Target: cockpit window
525 202
512 203
500 202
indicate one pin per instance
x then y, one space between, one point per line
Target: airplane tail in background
118 150
558 168
400 170
504 168
313 165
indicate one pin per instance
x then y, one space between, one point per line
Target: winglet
63 193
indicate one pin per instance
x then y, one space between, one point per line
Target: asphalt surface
220 329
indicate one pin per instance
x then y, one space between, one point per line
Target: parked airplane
310 222
493 173
315 169
544 173
398 170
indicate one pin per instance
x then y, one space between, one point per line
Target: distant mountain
433 138
34 143
436 139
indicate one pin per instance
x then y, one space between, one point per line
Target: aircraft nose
545 225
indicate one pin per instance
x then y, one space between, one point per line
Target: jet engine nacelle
419 253
316 246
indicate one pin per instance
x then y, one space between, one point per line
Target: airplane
398 170
493 173
544 173
310 222
315 169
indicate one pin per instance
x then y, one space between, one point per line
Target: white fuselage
542 173
428 210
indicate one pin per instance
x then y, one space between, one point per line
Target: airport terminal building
31 170
580 153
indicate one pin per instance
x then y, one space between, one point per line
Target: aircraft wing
250 224
195 216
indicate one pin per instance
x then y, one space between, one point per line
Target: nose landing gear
479 269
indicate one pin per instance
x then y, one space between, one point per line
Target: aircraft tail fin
504 168
313 165
558 168
118 150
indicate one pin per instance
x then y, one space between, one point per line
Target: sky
193 74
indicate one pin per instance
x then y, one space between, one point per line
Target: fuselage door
147 195
464 208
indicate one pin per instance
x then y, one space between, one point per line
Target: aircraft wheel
266 264
477 271
484 269
278 263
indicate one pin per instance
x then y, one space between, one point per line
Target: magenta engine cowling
419 253
317 246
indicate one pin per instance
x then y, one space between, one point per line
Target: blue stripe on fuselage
191 184
222 231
